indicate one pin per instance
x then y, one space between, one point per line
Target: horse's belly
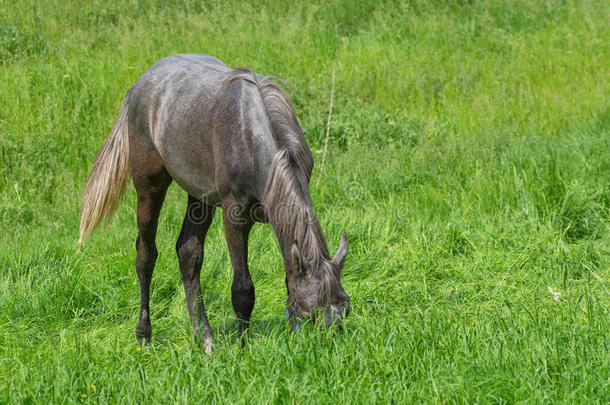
191 164
198 189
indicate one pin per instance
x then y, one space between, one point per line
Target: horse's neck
291 214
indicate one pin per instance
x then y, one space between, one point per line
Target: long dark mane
289 209
287 131
286 197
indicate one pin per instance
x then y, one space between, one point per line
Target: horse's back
173 85
190 64
173 106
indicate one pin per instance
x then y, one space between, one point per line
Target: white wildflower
555 293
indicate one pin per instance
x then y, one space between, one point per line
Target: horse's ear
298 263
341 254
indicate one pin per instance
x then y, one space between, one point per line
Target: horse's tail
107 180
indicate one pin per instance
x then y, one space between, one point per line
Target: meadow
468 161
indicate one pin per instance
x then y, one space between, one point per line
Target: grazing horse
230 138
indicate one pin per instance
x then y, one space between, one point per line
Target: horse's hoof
207 347
143 341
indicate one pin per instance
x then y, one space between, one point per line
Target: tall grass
468 162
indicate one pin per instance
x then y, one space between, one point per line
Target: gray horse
229 138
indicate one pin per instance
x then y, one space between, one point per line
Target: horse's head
314 287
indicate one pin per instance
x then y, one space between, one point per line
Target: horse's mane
286 197
290 212
287 131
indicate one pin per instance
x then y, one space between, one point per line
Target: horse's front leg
237 224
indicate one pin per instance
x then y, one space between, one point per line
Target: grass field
468 162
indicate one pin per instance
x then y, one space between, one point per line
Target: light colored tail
107 180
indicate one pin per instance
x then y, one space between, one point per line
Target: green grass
468 162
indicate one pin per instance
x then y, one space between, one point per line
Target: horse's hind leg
151 181
189 248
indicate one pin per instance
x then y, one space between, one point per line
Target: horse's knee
242 297
243 286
